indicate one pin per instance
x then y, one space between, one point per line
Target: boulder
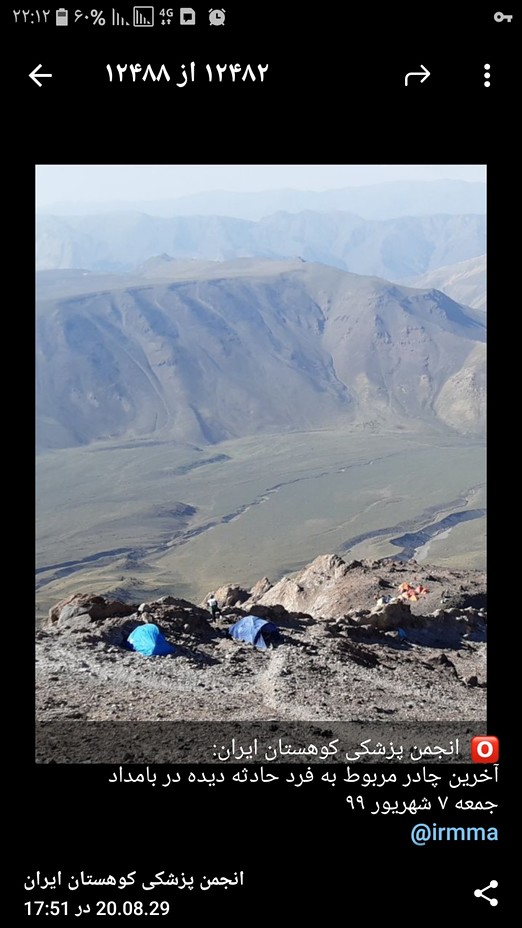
175 618
266 612
228 595
391 615
82 608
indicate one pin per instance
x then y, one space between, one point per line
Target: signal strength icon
118 20
143 15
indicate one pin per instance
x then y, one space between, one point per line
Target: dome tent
148 640
252 630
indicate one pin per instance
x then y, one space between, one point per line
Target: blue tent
250 629
147 639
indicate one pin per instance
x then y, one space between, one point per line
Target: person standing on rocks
213 607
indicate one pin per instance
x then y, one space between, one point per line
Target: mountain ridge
209 359
385 200
395 249
464 281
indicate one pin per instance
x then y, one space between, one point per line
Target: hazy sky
57 183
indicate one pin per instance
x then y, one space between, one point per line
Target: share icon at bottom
482 892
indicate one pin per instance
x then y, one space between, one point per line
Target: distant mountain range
249 347
395 249
374 201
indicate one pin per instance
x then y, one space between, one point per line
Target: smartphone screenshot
266 243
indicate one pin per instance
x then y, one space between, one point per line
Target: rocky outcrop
83 608
391 615
329 594
259 589
178 615
228 595
330 587
339 654
174 617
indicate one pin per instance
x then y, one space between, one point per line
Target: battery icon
62 17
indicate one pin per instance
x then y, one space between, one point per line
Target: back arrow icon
34 73
422 74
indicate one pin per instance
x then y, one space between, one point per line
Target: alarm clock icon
216 17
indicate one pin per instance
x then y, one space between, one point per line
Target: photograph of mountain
260 442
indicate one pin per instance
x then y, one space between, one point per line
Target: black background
334 93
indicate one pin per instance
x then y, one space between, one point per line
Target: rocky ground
340 655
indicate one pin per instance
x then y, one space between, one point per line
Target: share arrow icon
422 74
34 73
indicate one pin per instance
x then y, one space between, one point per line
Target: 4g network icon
484 749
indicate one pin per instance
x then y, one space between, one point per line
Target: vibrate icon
482 892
